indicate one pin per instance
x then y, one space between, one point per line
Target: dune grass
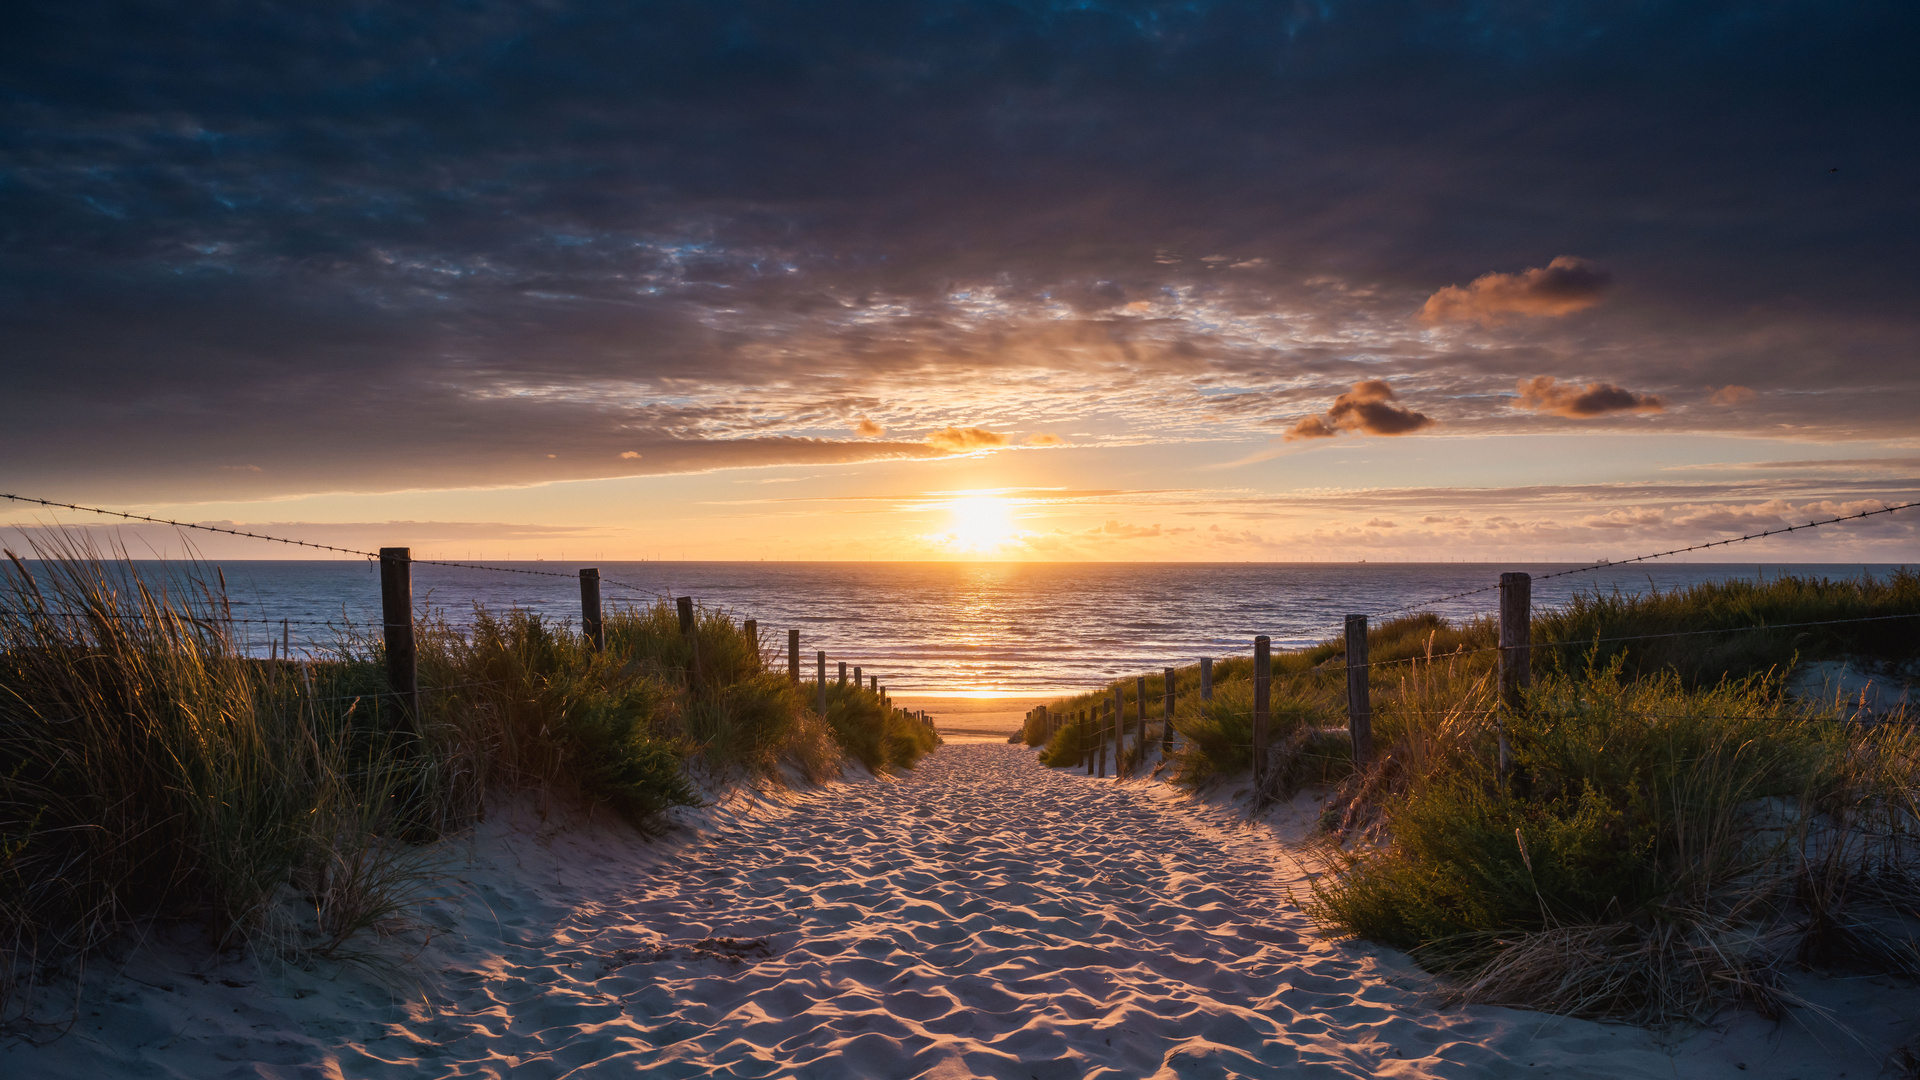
151 770
1724 609
1675 827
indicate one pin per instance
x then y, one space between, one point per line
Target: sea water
950 628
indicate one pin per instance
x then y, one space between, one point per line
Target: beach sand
981 916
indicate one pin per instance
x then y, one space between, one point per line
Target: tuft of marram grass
1676 829
150 770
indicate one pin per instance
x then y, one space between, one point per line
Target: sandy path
982 917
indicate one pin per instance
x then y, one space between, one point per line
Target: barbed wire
1656 555
317 546
1106 694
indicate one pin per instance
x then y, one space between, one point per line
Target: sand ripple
981 917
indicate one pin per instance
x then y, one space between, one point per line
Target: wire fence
373 555
397 620
1606 563
593 614
1108 714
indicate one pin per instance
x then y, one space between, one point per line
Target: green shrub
1068 747
1629 801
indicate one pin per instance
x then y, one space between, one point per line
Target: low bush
149 769
1673 829
1631 862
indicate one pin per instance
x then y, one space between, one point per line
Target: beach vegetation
151 769
1675 826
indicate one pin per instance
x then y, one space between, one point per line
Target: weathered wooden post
751 629
396 613
1206 678
1100 739
1516 651
1262 690
1119 726
1080 736
873 683
687 626
1140 716
822 688
857 681
590 609
1359 701
1166 714
843 673
793 654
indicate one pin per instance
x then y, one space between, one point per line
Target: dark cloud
433 244
1369 408
1562 287
1543 393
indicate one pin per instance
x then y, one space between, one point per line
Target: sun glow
981 524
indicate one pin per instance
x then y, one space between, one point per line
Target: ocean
961 628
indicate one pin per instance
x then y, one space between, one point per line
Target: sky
947 280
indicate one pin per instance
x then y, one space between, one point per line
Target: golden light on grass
980 524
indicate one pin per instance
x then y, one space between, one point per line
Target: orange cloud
867 429
1731 395
1562 287
960 440
1544 394
630 455
1367 407
1045 440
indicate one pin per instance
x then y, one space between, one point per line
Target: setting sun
982 524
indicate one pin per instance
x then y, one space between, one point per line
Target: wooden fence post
793 654
1206 678
843 673
1119 727
857 681
823 682
1140 716
396 612
1166 714
751 629
1262 690
590 609
873 683
1359 701
687 625
1086 746
1104 715
1516 651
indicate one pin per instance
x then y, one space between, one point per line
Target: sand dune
982 917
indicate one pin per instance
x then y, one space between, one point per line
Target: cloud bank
443 247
